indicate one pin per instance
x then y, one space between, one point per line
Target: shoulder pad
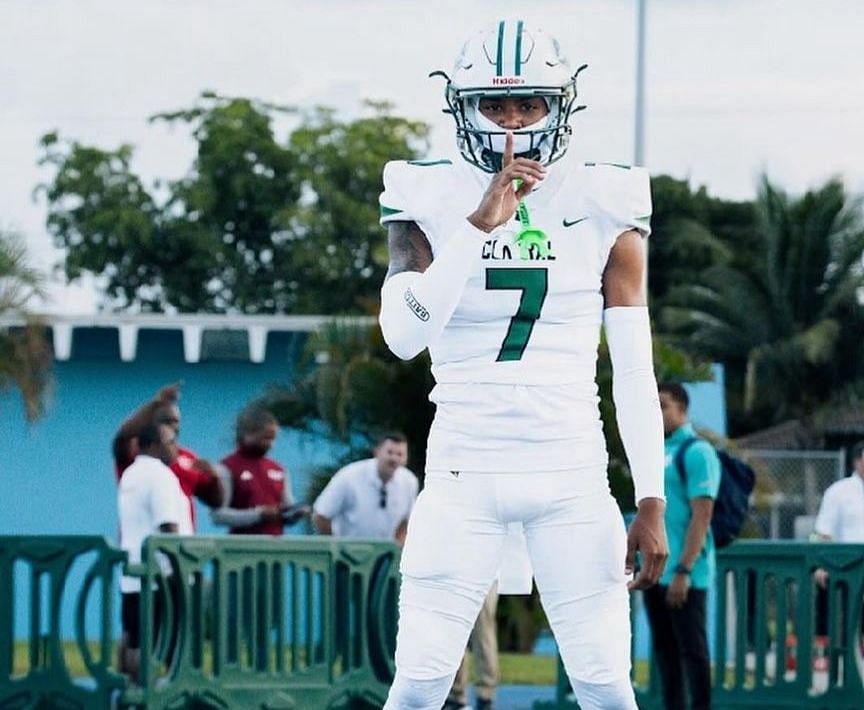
623 193
406 186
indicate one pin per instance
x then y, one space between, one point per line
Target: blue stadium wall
58 474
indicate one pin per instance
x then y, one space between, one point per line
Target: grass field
521 669
516 668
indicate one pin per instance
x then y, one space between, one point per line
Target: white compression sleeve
415 307
637 404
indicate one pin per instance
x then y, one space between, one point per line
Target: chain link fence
789 489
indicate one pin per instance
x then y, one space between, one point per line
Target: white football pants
577 543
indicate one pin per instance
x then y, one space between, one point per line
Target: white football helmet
511 59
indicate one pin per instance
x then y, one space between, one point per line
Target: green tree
100 212
790 324
257 225
341 164
25 357
227 224
691 232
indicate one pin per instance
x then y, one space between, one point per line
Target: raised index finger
508 149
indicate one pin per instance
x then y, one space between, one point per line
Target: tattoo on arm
409 248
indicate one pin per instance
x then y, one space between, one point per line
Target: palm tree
788 324
25 357
693 231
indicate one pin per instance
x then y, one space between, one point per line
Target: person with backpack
676 606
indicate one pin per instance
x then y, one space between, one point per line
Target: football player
505 264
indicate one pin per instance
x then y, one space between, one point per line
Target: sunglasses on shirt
382 501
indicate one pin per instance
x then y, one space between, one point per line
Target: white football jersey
515 366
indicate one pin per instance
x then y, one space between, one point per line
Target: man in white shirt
840 519
841 515
149 501
372 498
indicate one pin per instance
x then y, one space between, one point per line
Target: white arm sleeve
226 515
634 390
287 490
236 517
415 307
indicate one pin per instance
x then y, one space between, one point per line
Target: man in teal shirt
676 605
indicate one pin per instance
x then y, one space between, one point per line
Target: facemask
521 137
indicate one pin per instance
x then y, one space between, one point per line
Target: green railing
45 671
274 624
767 641
767 653
310 623
243 622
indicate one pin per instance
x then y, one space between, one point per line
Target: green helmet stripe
519 48
499 61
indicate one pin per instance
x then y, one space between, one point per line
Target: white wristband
634 390
415 307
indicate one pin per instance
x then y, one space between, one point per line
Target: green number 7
534 283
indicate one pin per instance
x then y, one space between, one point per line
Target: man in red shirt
258 496
197 477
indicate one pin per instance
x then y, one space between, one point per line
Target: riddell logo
507 80
417 308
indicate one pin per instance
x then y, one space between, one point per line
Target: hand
204 466
291 514
501 198
821 577
676 595
648 537
169 394
271 514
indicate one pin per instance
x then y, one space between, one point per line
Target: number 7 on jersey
534 283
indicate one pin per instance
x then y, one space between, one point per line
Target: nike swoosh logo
568 223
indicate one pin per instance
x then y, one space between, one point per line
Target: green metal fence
41 673
293 623
768 651
768 643
311 623
227 622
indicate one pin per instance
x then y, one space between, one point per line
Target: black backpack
733 497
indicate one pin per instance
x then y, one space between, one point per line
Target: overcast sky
734 87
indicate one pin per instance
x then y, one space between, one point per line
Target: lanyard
529 236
